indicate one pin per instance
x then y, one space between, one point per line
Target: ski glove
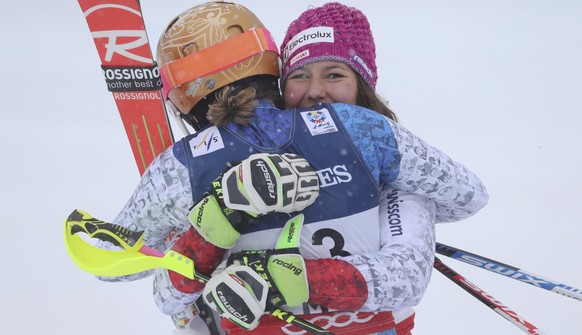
261 184
239 294
261 280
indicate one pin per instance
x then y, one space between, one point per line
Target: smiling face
323 81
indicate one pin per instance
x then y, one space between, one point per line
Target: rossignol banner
135 78
118 30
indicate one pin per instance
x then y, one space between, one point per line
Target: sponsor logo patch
333 175
363 64
206 142
319 122
306 37
299 56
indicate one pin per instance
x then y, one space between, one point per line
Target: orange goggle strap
216 58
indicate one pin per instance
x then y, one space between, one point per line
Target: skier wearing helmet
219 61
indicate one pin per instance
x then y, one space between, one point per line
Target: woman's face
324 81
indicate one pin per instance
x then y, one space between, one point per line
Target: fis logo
333 176
206 142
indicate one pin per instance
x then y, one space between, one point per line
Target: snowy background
496 84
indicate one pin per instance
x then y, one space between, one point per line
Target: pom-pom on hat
330 32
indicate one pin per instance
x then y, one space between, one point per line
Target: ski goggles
216 58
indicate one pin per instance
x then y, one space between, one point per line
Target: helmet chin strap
192 118
196 117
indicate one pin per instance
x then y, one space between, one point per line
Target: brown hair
237 102
368 98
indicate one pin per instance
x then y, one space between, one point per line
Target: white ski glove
239 294
260 280
265 183
261 184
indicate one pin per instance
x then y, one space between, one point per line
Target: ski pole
487 299
137 257
509 271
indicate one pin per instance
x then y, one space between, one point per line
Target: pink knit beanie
331 32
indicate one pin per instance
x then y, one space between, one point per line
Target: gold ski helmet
210 46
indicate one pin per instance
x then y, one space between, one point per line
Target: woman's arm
396 276
158 206
397 157
428 172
